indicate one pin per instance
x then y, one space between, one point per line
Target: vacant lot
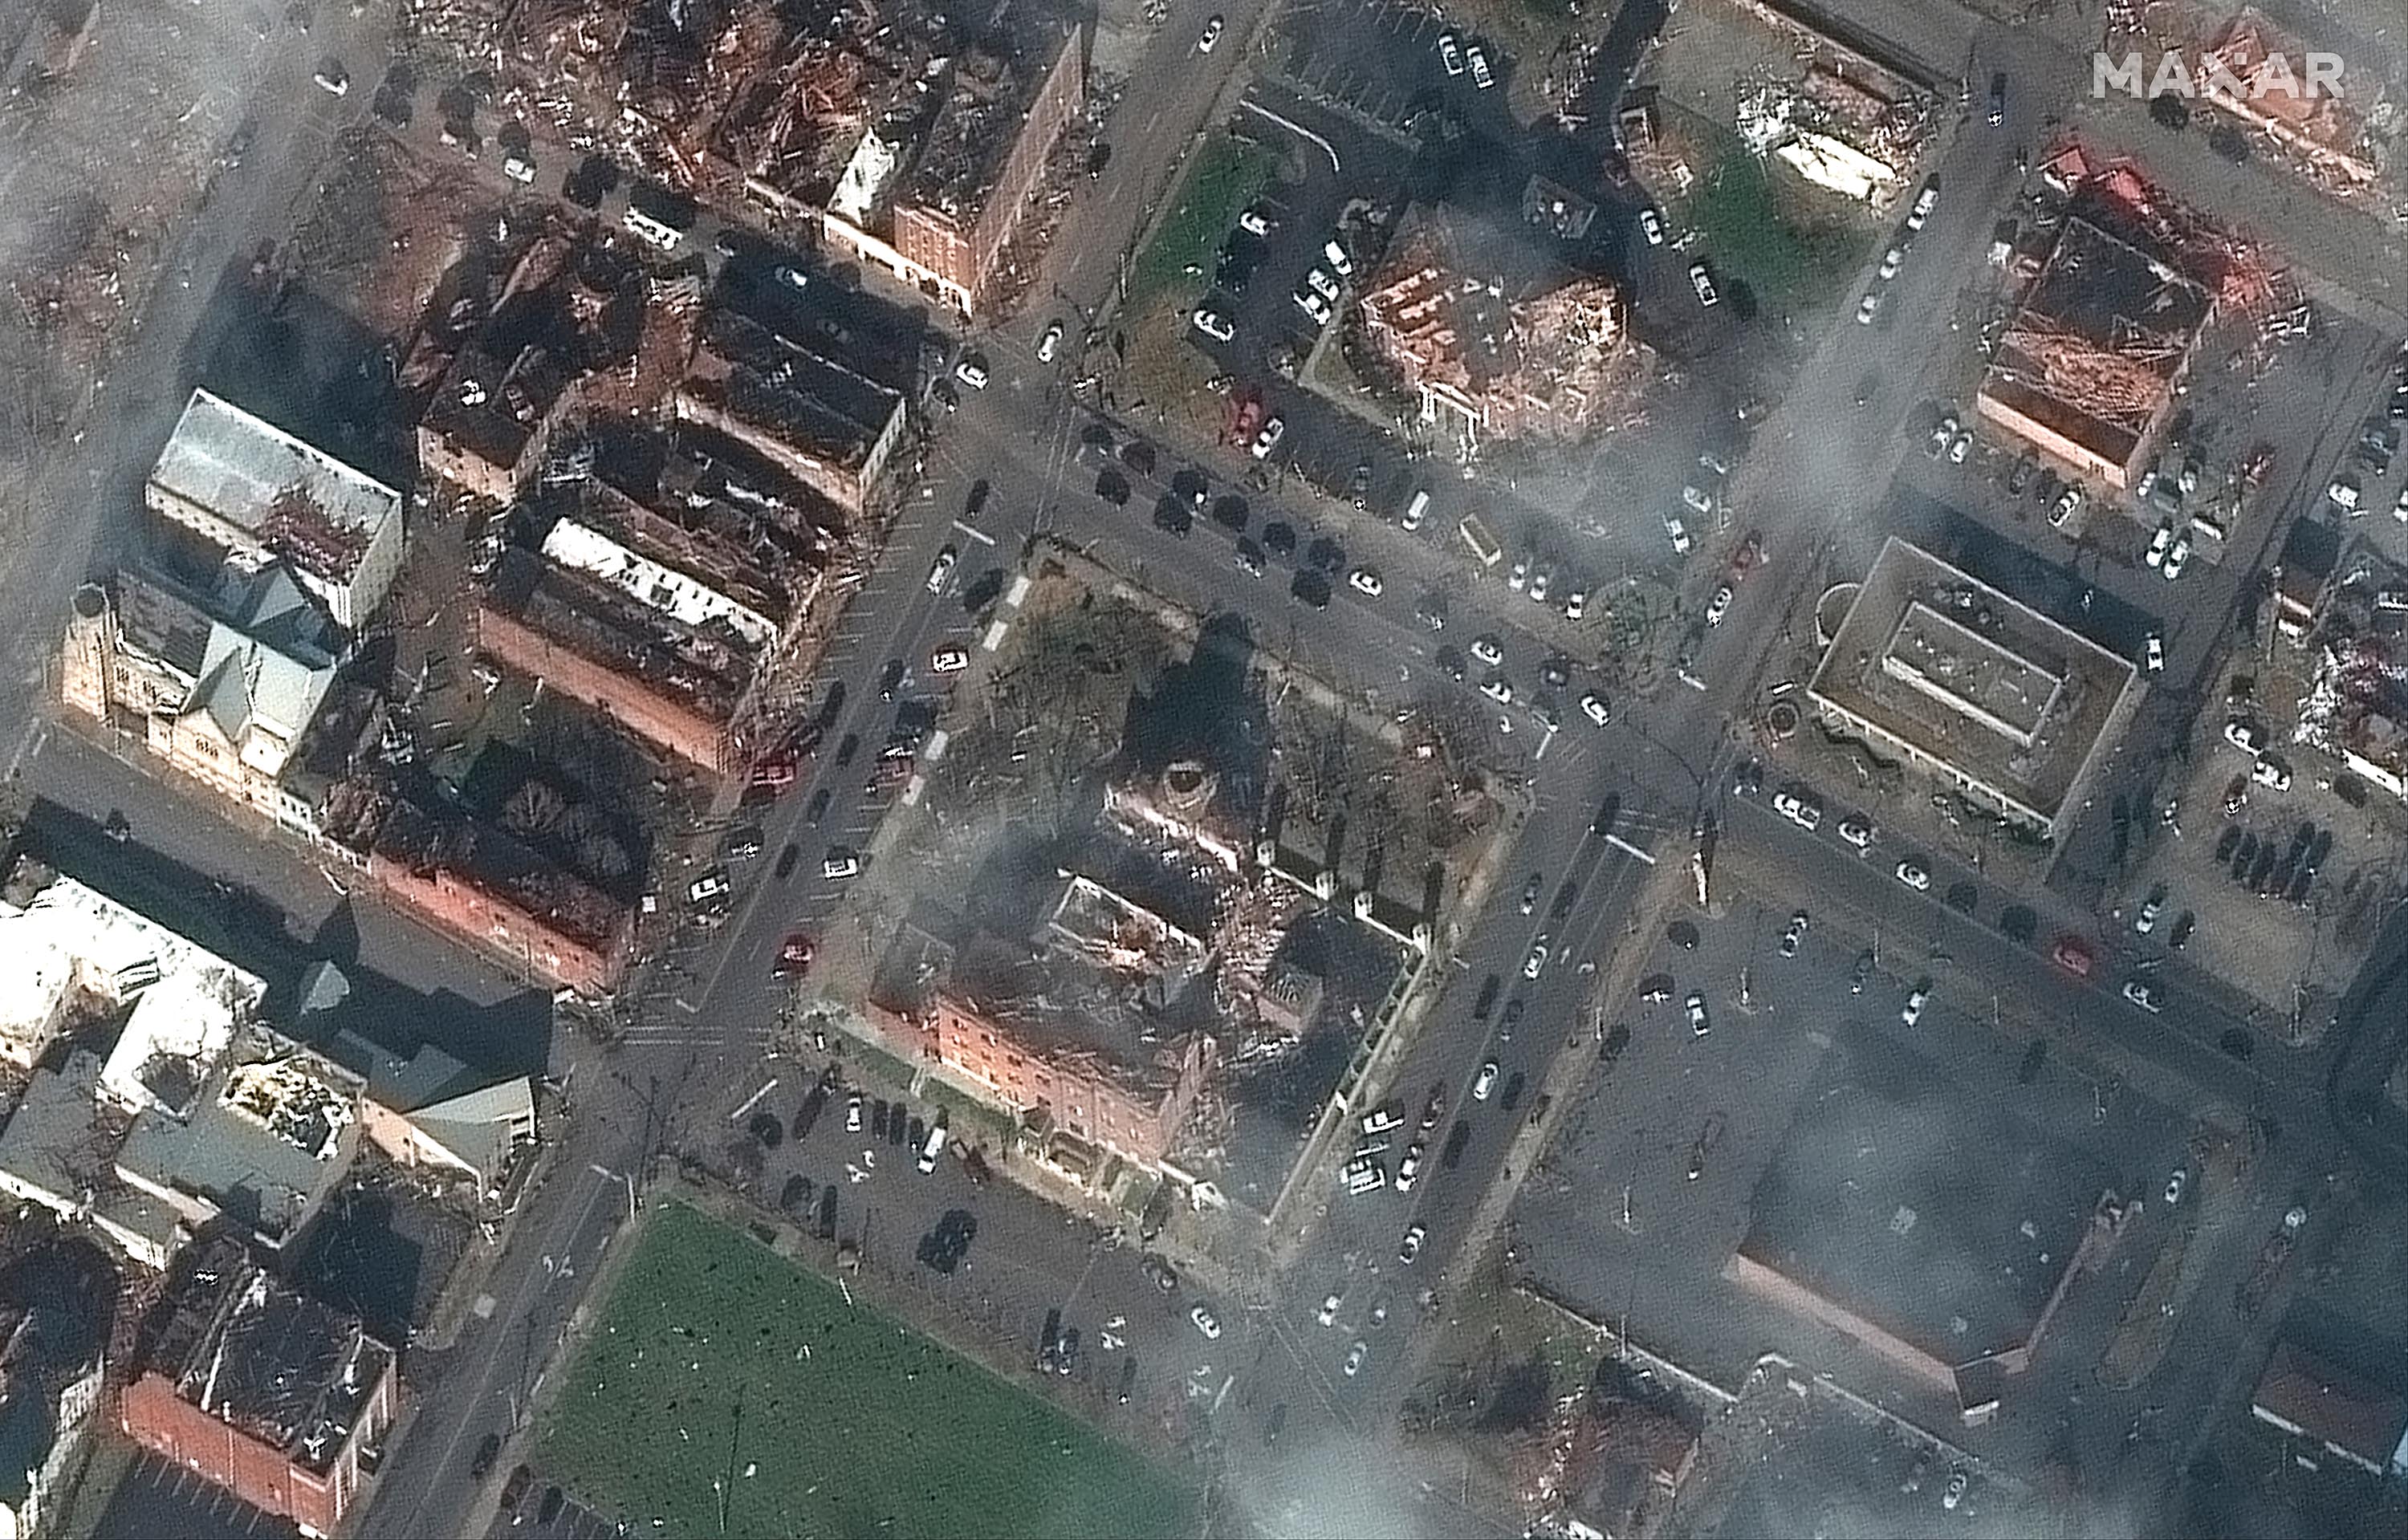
718 1364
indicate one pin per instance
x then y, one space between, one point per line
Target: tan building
223 687
1988 696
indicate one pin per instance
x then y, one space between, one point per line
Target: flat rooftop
784 382
2094 352
291 497
1934 657
1911 1203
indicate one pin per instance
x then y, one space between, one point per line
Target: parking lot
1614 1217
158 1497
1386 62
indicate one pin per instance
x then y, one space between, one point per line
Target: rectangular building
2085 372
247 487
970 187
2336 1412
260 1388
1988 695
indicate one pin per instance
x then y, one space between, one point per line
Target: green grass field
850 1423
1221 180
1762 237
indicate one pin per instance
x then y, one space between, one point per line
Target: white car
1954 1492
2155 653
1450 55
1487 651
2400 510
2142 993
2176 1185
1214 325
1355 1356
1206 1323
333 79
1962 446
1499 689
1479 62
942 569
1340 262
1323 284
1536 962
709 887
1892 260
1268 441
948 659
1916 999
1867 306
1924 202
1314 305
2343 494
1680 533
792 277
1705 284
2177 556
1913 876
1212 27
1519 575
521 170
1593 708
1049 342
971 373
1651 224
1700 501
1576 604
1858 833
1409 1170
1719 605
1484 1082
2159 544
1700 1023
1329 1313
2069 503
1365 581
2271 773
1806 814
840 864
1410 1247
1540 581
853 1112
2243 735
1256 223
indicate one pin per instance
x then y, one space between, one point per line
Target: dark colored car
1099 155
787 857
1449 1155
847 747
514 1489
488 1448
1487 1000
814 810
890 679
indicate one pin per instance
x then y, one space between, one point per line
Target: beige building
1988 695
223 687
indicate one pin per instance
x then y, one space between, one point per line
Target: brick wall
641 709
505 929
156 1417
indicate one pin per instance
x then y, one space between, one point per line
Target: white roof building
70 941
246 485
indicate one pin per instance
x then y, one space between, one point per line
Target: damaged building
2256 72
484 884
260 1388
1092 1034
2086 369
818 383
56 1304
660 583
248 488
229 686
1496 340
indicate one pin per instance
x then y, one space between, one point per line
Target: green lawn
714 1357
1221 180
1766 239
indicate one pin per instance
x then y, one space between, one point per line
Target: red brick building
260 1389
982 159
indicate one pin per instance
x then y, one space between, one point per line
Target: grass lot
714 1357
1757 234
1221 180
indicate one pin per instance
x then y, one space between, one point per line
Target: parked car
1701 280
